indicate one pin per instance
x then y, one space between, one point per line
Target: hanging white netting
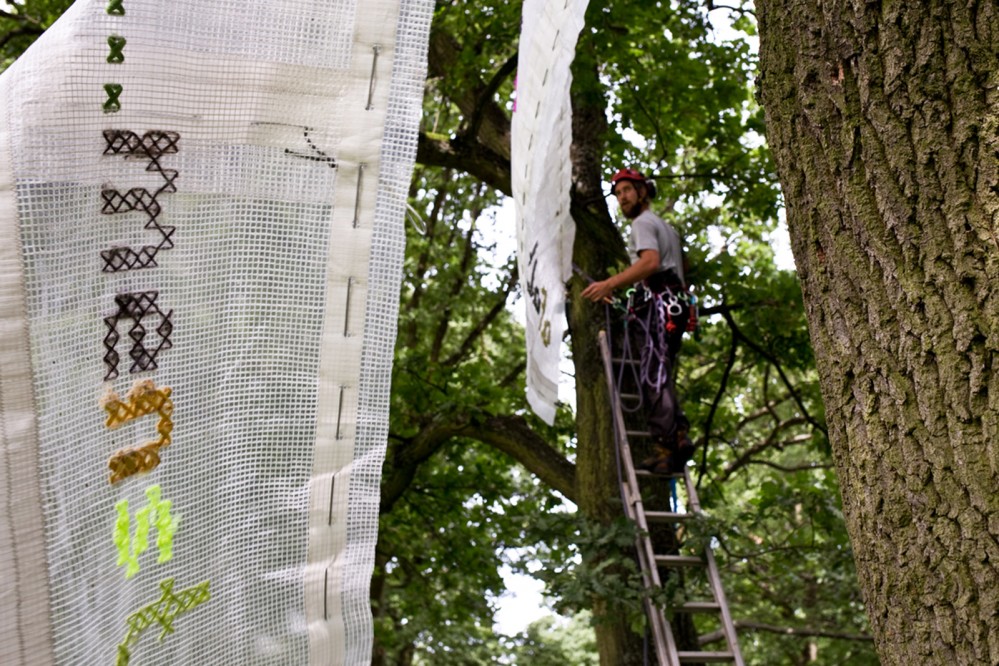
541 135
201 209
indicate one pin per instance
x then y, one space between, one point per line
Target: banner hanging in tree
201 210
541 174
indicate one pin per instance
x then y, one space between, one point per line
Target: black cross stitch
136 306
151 145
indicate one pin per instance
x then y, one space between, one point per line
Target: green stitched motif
121 525
112 105
116 7
156 515
117 46
163 612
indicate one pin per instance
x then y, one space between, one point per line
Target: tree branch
791 468
20 32
508 434
467 156
484 323
703 467
405 455
799 632
487 94
780 370
513 436
747 456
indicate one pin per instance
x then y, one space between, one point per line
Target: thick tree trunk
884 121
598 245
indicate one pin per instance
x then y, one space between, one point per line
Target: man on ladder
659 313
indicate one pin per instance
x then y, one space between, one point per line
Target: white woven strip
398 154
25 629
541 134
368 215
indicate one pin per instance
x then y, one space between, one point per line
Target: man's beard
632 211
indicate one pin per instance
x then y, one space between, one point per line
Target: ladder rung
679 561
629 361
666 517
705 657
629 396
637 433
645 473
700 607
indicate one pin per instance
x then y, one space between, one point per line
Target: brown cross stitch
142 400
151 146
136 307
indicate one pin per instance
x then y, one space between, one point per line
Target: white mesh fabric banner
541 134
201 210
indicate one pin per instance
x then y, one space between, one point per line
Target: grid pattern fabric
541 133
201 210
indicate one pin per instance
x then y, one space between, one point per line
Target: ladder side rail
634 508
662 636
728 626
665 643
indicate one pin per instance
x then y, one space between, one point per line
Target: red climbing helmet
636 177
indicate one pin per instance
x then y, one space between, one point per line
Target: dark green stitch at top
116 7
112 105
117 46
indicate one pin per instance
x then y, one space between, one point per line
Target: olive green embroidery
112 105
117 46
163 612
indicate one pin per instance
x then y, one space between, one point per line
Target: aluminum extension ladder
650 562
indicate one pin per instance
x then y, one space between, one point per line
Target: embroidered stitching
163 612
136 306
112 104
152 145
142 400
117 46
157 515
129 462
320 156
116 7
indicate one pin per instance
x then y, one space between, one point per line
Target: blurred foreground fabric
201 210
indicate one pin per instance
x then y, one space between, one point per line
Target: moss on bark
883 121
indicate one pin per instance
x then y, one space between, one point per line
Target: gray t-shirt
651 232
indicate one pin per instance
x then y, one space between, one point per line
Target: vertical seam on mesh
11 385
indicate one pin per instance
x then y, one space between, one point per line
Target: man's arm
647 264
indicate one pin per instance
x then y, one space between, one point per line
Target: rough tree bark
884 121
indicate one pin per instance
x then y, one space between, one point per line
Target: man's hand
647 264
599 292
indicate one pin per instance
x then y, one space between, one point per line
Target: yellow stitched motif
162 612
155 515
142 400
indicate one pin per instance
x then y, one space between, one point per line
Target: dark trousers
658 328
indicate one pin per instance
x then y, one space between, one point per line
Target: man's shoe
683 453
658 462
